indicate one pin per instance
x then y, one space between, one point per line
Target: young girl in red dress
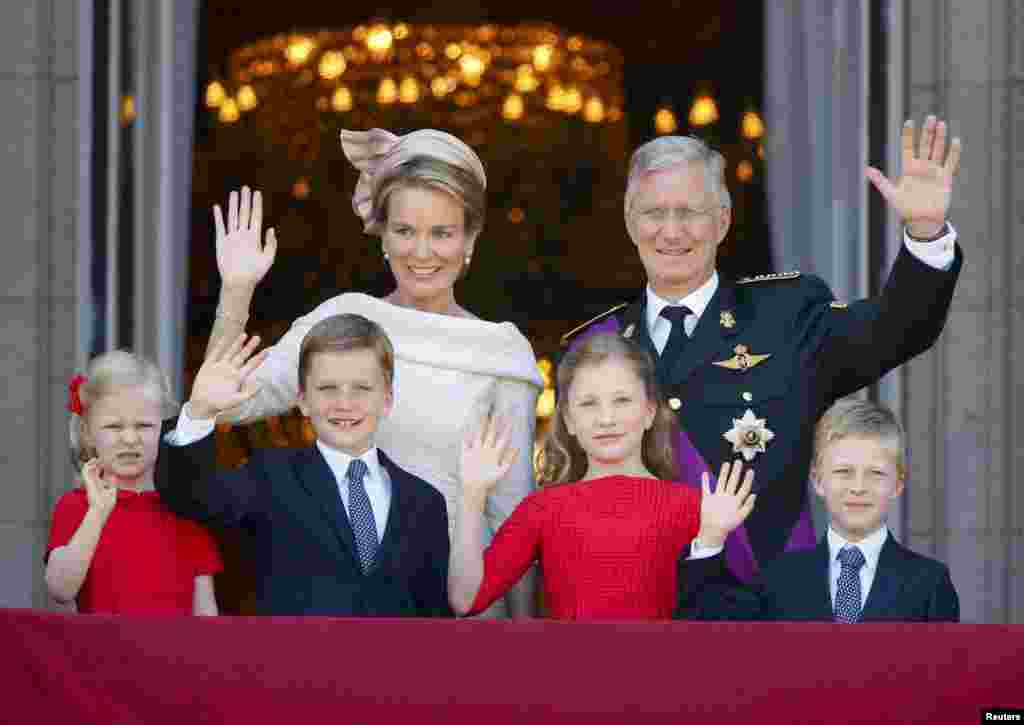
609 523
114 547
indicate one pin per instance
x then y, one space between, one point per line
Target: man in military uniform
750 367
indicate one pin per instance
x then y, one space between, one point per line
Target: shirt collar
697 301
870 546
339 460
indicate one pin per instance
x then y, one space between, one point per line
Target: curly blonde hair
108 373
562 459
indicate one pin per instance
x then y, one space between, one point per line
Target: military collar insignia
769 277
579 328
727 319
749 435
742 360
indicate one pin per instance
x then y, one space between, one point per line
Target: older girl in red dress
610 523
114 547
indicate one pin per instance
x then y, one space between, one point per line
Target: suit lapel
393 540
885 587
634 326
821 588
713 332
318 480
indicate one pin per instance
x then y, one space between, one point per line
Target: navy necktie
848 595
360 514
677 339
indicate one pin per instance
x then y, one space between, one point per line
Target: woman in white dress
423 195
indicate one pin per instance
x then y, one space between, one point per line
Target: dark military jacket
782 348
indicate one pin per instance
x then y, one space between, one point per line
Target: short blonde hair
342 333
425 171
111 372
855 418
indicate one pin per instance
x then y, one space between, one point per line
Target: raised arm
486 456
241 260
186 475
517 401
68 565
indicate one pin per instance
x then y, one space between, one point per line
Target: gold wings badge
742 360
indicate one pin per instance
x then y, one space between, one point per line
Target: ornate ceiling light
461 77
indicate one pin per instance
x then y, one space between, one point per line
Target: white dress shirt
938 254
870 547
377 482
659 328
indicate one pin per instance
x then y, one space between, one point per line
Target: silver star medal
748 435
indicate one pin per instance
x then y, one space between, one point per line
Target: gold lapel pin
742 360
727 319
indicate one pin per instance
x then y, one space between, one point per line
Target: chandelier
460 77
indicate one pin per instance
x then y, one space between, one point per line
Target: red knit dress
607 547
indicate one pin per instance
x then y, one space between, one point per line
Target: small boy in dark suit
858 572
334 529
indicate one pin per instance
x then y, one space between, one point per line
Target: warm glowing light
471 65
215 94
744 171
516 216
401 31
546 403
453 51
332 64
572 101
299 50
301 188
441 86
128 113
526 81
703 111
542 56
341 100
228 111
593 110
574 43
556 98
751 126
464 99
379 39
409 90
246 98
512 109
760 151
665 121
387 91
425 51
615 114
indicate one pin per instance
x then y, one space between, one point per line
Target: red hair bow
74 399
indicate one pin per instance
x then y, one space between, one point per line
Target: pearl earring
468 257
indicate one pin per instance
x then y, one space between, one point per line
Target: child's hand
221 382
724 510
486 457
101 494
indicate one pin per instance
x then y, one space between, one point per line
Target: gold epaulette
769 277
567 336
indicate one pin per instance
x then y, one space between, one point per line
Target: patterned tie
360 514
847 609
677 339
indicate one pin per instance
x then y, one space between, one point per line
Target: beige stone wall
38 205
965 62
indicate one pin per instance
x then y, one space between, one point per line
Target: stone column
39 168
963 399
